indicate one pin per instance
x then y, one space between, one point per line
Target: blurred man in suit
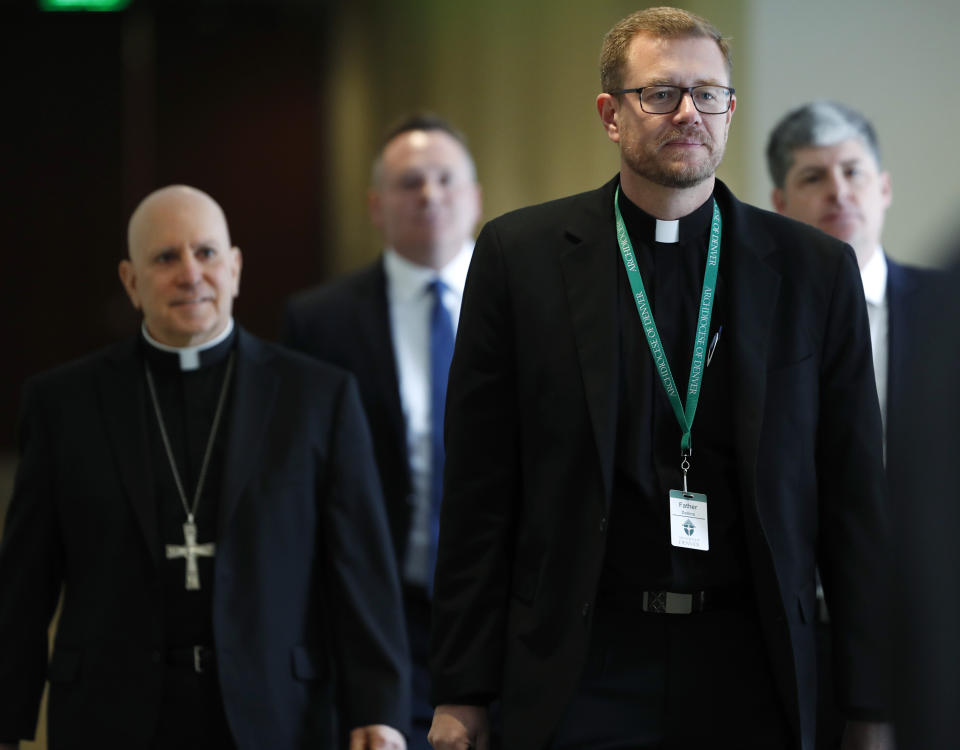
824 161
209 505
392 325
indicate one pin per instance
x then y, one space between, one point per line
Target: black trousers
830 722
417 608
191 714
675 681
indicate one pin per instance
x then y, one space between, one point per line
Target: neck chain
190 550
191 510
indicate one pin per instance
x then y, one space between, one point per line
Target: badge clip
685 467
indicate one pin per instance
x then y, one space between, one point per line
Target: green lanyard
685 418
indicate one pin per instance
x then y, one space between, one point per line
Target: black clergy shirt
639 553
188 400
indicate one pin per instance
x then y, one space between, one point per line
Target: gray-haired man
825 164
824 161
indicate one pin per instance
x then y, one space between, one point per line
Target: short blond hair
663 22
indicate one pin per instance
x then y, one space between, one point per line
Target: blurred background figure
392 324
824 160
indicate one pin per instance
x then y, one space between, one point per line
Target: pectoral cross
191 551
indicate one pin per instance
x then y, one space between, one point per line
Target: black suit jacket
347 323
907 290
530 432
922 448
306 605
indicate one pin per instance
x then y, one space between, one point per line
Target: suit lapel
588 264
254 392
123 400
754 289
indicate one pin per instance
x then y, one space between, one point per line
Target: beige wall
520 78
897 63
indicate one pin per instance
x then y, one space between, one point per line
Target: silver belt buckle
667 602
197 663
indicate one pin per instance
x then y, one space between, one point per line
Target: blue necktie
441 352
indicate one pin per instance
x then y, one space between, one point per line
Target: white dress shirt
410 304
874 277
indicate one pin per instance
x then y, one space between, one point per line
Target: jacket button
586 610
603 525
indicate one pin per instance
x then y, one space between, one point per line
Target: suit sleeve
481 489
854 535
31 565
369 636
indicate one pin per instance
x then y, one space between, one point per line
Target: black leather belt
199 658
677 603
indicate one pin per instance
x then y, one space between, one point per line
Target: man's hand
460 728
867 735
377 737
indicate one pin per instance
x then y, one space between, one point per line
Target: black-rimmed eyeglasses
662 100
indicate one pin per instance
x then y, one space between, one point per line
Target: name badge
688 520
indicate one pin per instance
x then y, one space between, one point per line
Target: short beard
673 175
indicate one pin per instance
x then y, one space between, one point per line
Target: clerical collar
648 229
189 357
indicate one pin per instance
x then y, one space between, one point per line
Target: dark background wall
100 109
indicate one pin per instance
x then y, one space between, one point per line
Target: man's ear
729 117
886 189
608 107
375 208
128 278
477 207
237 267
779 202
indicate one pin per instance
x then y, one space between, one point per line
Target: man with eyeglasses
616 575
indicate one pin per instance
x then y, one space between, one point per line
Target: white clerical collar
642 225
874 277
189 355
407 279
668 231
